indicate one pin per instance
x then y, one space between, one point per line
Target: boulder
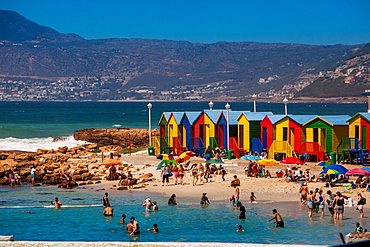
62 150
86 176
122 188
147 175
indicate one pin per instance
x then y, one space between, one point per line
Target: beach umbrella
338 168
250 157
366 168
165 157
330 171
110 162
214 161
323 163
268 162
185 156
166 163
292 160
358 171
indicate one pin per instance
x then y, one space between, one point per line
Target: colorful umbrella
323 163
358 171
250 157
292 160
338 168
185 156
166 163
366 168
165 157
330 171
268 162
110 162
214 161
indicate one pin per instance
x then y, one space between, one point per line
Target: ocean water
81 219
30 125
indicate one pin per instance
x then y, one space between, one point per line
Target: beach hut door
264 137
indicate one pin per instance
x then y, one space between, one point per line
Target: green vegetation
131 150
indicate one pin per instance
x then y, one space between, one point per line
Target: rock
119 137
80 184
122 188
139 186
93 166
147 175
145 180
86 176
98 182
62 150
90 182
92 146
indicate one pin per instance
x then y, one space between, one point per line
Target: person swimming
154 229
239 228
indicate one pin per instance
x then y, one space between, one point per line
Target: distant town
96 89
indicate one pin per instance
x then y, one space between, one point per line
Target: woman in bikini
181 174
194 172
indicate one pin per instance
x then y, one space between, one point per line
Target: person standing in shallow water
57 203
172 200
105 199
241 210
278 219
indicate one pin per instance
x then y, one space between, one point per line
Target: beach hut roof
214 115
363 114
333 120
276 118
191 115
255 116
302 119
234 116
178 116
164 115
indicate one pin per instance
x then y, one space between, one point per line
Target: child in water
239 228
252 198
154 229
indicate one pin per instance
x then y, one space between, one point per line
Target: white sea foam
32 144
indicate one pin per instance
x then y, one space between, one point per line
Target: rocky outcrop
51 165
121 137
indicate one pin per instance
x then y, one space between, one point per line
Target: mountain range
165 69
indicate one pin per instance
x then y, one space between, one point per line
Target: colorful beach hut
174 137
160 144
328 131
267 130
221 130
186 127
359 128
249 127
204 129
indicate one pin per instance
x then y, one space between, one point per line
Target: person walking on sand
222 171
194 172
181 174
56 203
361 201
105 199
278 219
175 172
165 173
201 173
207 172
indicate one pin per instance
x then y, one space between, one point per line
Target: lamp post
210 105
227 107
150 123
254 96
285 100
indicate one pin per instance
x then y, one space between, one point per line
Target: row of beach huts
336 138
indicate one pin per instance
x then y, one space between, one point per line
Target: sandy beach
265 189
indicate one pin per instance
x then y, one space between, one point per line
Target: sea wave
32 144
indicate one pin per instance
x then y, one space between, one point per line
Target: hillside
16 28
155 69
349 79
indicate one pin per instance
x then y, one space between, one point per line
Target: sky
316 22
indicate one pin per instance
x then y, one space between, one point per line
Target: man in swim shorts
108 210
105 199
33 174
57 203
135 226
278 219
